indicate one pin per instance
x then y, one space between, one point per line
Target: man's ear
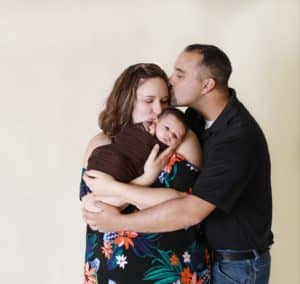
208 85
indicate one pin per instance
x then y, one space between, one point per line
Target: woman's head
139 94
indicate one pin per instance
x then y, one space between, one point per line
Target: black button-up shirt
235 178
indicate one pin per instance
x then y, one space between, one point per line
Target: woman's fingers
166 154
154 152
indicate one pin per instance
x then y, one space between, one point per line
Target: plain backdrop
58 62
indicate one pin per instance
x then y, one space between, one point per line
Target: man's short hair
215 60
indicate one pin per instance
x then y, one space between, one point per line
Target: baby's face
170 130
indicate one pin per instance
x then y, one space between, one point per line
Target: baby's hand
155 162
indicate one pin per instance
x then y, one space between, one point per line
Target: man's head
199 70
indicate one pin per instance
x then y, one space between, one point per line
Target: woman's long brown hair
119 105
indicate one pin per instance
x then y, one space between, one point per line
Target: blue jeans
248 271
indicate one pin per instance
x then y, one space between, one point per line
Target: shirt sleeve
225 173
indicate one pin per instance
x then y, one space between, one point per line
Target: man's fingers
95 228
88 217
89 181
92 173
97 198
101 205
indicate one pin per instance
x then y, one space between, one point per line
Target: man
233 191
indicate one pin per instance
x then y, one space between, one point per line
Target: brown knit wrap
125 158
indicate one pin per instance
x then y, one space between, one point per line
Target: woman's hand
153 166
99 183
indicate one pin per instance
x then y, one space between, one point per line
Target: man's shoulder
242 125
194 120
191 113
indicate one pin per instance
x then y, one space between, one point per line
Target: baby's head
171 127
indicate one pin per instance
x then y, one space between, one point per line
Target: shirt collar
226 115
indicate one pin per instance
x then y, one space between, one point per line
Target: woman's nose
157 108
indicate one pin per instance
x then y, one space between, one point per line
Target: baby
124 159
169 128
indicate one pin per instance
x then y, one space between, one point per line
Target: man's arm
104 186
168 216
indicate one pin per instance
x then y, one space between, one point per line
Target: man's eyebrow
179 69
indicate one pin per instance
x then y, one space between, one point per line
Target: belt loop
256 253
212 255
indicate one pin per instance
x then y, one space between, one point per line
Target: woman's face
152 97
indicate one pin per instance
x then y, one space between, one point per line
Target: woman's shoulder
98 140
190 148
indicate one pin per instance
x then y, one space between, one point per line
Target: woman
139 95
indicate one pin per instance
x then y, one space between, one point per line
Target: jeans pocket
232 272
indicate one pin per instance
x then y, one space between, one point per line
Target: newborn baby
170 127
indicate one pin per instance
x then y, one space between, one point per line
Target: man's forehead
187 60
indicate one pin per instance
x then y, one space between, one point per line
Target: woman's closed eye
165 101
149 101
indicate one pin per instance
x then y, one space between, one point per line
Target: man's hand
98 182
89 203
103 221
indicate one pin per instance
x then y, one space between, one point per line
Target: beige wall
58 60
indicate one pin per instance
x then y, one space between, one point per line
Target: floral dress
159 258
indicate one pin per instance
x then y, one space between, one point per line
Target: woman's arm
148 197
99 140
190 148
87 200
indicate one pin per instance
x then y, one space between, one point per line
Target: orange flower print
172 161
107 249
186 276
89 274
174 260
194 279
125 239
